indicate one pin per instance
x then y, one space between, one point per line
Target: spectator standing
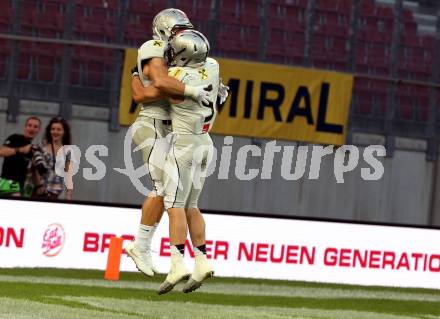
48 184
17 152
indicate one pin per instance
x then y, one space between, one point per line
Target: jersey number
210 106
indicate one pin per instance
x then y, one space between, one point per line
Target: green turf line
136 276
25 291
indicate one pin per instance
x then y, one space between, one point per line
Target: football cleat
178 273
202 271
143 261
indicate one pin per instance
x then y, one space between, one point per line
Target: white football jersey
152 49
189 117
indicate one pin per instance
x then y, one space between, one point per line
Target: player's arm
158 73
152 93
142 94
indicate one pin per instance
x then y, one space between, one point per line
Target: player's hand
135 71
223 92
201 93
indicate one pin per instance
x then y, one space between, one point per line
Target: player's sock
144 237
200 250
178 249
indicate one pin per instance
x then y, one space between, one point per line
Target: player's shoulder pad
211 61
152 49
212 64
152 43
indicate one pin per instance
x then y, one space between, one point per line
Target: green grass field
65 294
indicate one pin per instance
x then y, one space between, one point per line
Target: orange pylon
114 259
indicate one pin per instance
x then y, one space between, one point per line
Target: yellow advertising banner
273 101
128 109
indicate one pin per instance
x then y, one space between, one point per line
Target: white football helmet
187 48
168 22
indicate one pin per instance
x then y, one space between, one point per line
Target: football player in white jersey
150 81
189 156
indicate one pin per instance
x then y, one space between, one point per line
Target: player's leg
176 192
152 208
196 227
149 135
202 268
178 230
196 222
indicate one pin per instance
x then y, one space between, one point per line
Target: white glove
223 92
201 93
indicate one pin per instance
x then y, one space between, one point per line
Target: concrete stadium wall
402 195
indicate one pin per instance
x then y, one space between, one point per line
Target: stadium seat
229 12
186 6
202 25
24 61
367 8
344 6
364 104
275 51
295 41
44 19
96 24
228 47
5 51
250 11
106 4
407 15
6 16
48 60
416 57
75 72
409 24
159 5
89 65
379 91
363 97
28 10
326 5
333 24
404 101
295 19
405 110
235 41
134 36
38 61
276 15
276 55
98 64
385 11
423 113
202 10
422 96
140 7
